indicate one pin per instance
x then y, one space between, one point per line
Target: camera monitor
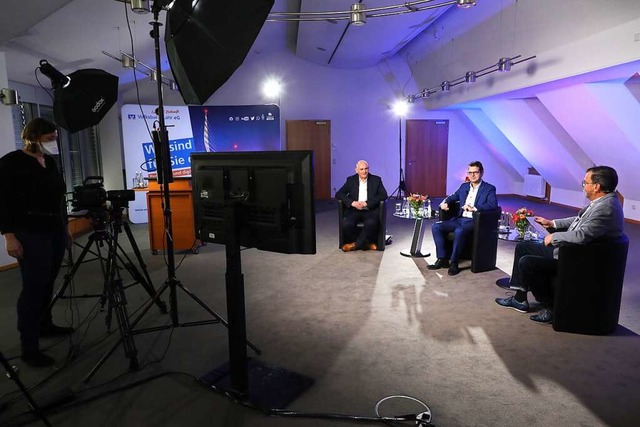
276 193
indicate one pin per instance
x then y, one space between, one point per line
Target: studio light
57 78
8 96
128 61
470 77
504 65
271 88
357 16
140 6
81 99
465 4
400 108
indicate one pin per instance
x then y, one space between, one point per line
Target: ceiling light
504 64
153 75
465 4
470 77
173 85
140 6
445 85
8 96
127 61
400 108
357 16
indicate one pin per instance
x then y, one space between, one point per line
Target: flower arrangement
416 201
519 219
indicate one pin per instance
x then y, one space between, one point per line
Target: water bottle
428 208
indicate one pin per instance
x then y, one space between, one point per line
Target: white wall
7 144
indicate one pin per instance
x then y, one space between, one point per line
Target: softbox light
85 101
207 43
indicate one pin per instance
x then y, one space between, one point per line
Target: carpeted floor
363 326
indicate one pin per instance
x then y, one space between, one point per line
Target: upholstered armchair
482 248
588 286
382 218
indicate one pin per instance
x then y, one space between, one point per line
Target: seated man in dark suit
475 195
361 195
535 264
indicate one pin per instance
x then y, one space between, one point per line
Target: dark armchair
382 230
482 248
588 287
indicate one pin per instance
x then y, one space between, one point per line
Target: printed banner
194 128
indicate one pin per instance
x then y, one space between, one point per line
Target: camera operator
34 224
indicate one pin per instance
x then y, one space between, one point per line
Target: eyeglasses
473 172
586 183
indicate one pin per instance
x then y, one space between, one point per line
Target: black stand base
269 387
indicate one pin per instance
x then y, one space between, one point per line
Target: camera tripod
106 231
108 225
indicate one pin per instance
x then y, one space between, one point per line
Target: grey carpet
363 325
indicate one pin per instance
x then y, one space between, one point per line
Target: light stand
401 191
165 177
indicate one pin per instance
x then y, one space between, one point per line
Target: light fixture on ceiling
465 4
140 6
129 61
362 13
470 77
8 96
357 16
504 64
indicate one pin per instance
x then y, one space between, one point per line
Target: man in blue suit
475 195
361 195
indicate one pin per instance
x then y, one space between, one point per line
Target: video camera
92 196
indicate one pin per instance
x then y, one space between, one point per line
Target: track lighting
8 96
357 16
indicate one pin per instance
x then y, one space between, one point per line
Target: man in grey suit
535 264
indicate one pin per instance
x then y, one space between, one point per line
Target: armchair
482 248
382 230
588 286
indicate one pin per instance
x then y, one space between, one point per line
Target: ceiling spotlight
504 65
153 75
445 86
173 85
127 61
470 77
425 93
8 96
410 99
464 4
140 6
357 16
271 88
400 108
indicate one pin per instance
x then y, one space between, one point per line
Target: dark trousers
533 270
39 267
369 232
461 228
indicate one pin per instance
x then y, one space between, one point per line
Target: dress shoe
372 247
543 316
512 303
54 330
453 269
348 247
36 359
504 283
440 263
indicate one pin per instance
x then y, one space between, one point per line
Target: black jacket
376 192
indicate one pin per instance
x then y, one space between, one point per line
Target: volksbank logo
131 116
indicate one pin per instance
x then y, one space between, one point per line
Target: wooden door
314 135
426 158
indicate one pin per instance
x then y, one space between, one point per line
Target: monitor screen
273 192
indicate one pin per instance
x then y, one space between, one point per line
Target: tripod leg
69 276
12 374
145 281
